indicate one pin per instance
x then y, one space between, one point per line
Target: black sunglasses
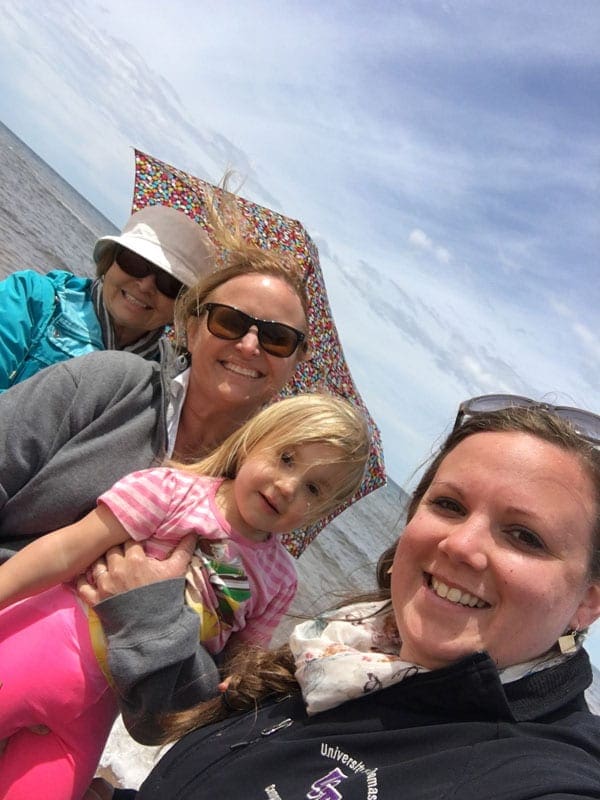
585 423
139 267
227 322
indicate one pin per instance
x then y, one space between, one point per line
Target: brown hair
247 688
106 259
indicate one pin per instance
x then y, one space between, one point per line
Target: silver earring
567 643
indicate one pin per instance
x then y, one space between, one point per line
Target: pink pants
50 676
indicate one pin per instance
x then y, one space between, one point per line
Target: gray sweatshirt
68 434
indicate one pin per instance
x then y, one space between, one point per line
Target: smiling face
277 490
496 556
237 374
134 304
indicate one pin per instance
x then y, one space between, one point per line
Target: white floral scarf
353 651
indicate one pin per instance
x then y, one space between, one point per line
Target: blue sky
443 155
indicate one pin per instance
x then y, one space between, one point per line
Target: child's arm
59 556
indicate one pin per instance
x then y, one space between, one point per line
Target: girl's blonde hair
290 423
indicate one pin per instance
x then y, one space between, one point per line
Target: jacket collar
471 689
172 362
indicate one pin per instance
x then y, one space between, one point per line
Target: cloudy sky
444 155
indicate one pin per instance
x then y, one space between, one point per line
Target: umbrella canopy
326 370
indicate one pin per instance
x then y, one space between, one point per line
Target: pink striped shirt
237 586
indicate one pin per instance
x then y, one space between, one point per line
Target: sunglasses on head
227 322
585 424
139 267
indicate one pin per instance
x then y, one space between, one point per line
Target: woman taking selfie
465 676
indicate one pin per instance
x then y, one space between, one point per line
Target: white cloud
442 255
419 239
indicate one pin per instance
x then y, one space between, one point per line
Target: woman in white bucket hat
50 318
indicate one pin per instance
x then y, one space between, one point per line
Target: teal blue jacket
44 319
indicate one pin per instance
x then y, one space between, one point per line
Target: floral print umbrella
326 370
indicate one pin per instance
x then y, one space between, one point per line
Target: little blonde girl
290 465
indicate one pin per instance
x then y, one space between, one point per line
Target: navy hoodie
451 733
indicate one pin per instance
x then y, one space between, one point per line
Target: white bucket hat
169 239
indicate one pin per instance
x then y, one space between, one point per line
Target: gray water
45 224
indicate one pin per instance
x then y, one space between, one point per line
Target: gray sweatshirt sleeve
32 414
68 433
154 654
